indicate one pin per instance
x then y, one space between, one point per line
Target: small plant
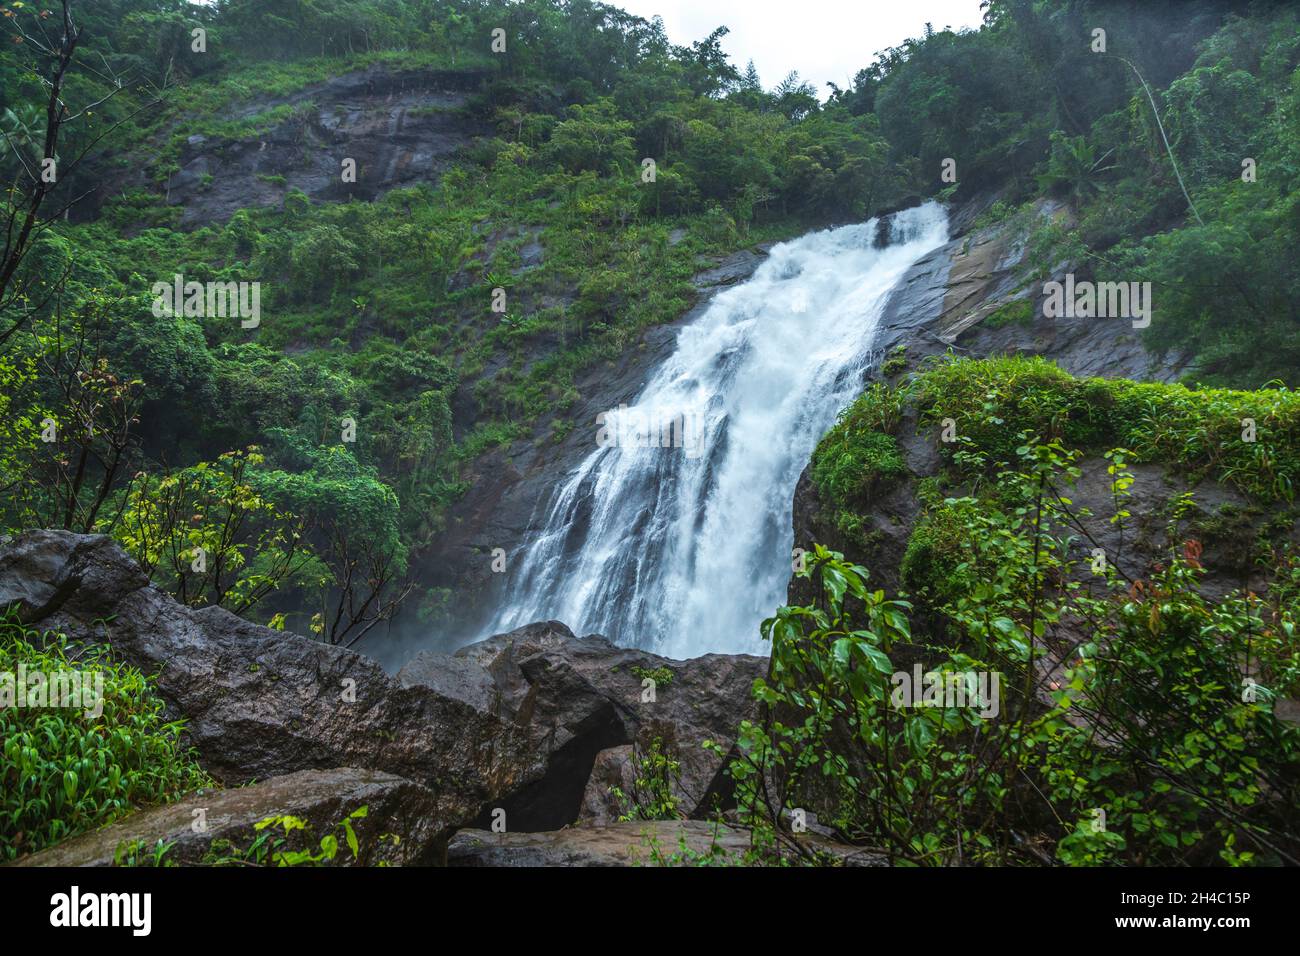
657 776
661 675
138 853
64 771
895 362
287 840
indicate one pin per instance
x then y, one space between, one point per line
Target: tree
53 42
208 536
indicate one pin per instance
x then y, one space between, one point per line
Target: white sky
825 40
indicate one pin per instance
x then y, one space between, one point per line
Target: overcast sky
825 40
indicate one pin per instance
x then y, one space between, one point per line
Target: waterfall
674 535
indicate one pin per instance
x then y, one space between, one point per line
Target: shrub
64 771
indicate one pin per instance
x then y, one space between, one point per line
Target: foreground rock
640 843
517 722
587 708
261 703
321 797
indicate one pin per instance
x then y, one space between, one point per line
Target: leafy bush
1151 739
1135 722
63 771
1201 432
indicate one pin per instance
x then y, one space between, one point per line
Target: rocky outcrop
261 703
518 722
593 711
1221 519
640 843
400 128
944 301
221 820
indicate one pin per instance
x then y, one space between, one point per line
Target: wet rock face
944 300
400 128
322 798
261 703
587 710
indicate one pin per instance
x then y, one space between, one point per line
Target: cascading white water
684 549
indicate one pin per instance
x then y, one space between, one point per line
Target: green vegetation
1020 312
656 772
66 770
662 676
1200 433
1140 741
379 312
294 471
282 840
860 457
1135 723
270 848
376 312
1250 439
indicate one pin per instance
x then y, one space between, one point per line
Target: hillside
310 313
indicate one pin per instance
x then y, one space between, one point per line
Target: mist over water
683 550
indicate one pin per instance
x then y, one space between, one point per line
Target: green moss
1197 433
848 465
859 459
1020 312
895 362
933 565
860 454
1201 433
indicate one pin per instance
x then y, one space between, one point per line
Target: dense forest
292 462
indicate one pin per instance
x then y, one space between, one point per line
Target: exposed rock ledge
642 843
320 797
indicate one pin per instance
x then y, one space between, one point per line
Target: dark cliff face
399 127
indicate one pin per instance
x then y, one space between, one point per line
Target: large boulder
261 703
578 699
322 798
